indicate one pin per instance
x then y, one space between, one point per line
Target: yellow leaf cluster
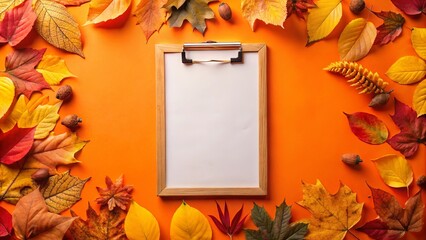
323 19
269 11
356 40
7 94
189 224
394 170
141 224
53 69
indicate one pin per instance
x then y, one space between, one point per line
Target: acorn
71 121
40 175
64 92
379 100
356 6
351 159
225 11
421 181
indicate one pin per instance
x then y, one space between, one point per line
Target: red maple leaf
390 29
20 66
413 130
225 225
115 195
299 7
411 7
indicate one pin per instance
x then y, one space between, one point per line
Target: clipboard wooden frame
162 189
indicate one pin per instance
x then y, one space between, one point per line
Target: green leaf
282 218
296 231
261 218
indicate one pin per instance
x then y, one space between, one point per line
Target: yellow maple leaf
53 69
407 70
333 215
419 99
269 11
418 39
151 15
104 10
394 170
323 19
44 117
7 94
57 26
189 224
356 40
141 224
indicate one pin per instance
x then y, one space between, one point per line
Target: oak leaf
17 24
323 19
299 7
57 150
407 70
356 40
20 66
174 3
394 170
105 225
62 191
57 26
44 118
5 224
189 223
31 219
15 144
7 94
411 7
394 221
141 224
194 11
150 15
368 128
104 10
280 228
413 130
53 69
418 40
333 215
68 3
115 195
6 5
224 223
390 29
419 99
269 11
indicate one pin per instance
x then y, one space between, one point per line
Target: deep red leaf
404 142
411 7
368 128
226 218
224 224
236 219
378 230
5 223
390 29
20 66
71 2
15 144
239 226
386 206
218 224
17 23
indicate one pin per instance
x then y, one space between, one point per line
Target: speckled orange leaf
269 11
150 16
104 10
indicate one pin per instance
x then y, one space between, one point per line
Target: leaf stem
349 231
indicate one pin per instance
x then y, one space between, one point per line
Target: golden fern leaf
360 77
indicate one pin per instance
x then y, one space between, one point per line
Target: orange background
114 93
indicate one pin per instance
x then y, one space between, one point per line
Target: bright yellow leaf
53 69
140 224
419 99
356 40
44 117
269 11
104 10
407 70
323 19
418 39
9 122
189 224
394 170
7 94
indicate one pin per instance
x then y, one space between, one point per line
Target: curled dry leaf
17 24
269 11
368 128
356 40
323 19
141 224
407 70
115 195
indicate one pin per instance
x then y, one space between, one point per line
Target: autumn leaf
356 40
323 19
15 144
224 223
419 99
57 150
194 11
411 7
68 3
151 15
141 224
333 215
413 130
20 66
44 117
7 94
269 11
57 26
6 5
5 224
17 24
62 191
31 219
104 10
105 225
115 195
418 40
299 7
394 170
394 221
53 69
407 70
368 128
280 228
390 29
189 223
